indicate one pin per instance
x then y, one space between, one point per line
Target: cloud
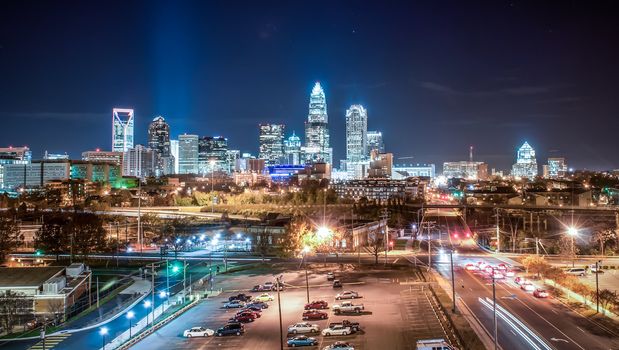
510 91
59 116
438 88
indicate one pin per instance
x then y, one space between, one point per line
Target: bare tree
13 305
602 236
375 244
608 298
10 236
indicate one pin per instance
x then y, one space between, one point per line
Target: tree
12 306
602 236
375 244
88 234
10 236
566 248
52 237
297 230
608 298
535 264
262 244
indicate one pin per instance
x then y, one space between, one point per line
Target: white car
349 294
268 285
303 327
340 345
264 297
337 329
510 273
471 267
198 332
527 286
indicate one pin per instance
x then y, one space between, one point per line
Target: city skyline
494 102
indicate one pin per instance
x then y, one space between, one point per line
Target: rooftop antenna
471 154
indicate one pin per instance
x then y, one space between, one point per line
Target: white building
271 143
188 154
375 141
140 162
356 133
316 128
403 171
526 164
174 153
122 129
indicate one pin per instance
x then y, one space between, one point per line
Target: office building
34 175
139 162
381 165
375 141
526 164
465 170
292 150
159 142
556 168
233 156
103 156
122 129
316 128
55 156
271 143
212 154
188 154
403 171
174 153
356 133
13 155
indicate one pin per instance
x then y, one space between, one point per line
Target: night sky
435 76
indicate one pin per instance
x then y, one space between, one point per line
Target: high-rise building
159 142
55 156
557 168
375 141
103 156
271 142
122 129
466 170
212 154
174 153
292 150
188 154
233 156
316 128
140 162
34 175
356 133
13 155
526 164
381 165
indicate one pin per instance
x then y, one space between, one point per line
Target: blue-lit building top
283 173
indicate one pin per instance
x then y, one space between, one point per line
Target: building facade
139 162
13 155
381 165
557 168
356 133
103 156
526 164
188 154
317 147
174 153
271 142
122 129
403 171
465 170
212 154
159 142
292 150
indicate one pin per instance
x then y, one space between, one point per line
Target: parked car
256 314
349 294
315 315
576 271
527 286
317 304
244 317
520 280
234 304
336 330
302 340
241 297
330 276
540 293
347 307
510 273
346 323
198 332
233 328
258 304
337 284
253 307
340 345
303 327
260 288
264 297
268 285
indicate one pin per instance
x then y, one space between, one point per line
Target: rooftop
27 276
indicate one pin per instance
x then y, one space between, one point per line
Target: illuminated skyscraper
174 153
292 150
187 154
212 148
122 129
316 128
159 142
375 141
526 164
272 143
557 168
356 133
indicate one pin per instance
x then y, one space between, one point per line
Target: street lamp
597 286
279 306
103 332
306 250
573 232
130 315
147 305
212 163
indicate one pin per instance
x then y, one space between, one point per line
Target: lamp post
306 250
103 332
597 286
279 306
494 309
212 163
573 232
147 305
453 284
130 315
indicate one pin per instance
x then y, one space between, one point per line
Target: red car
540 293
244 317
250 312
314 315
316 304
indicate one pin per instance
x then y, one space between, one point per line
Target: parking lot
397 313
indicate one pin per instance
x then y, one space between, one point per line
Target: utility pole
453 284
167 279
184 278
385 216
140 214
494 309
279 305
597 286
152 296
498 238
97 292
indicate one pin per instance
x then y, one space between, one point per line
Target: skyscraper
557 168
122 129
159 142
139 161
356 133
526 164
271 141
187 154
292 150
212 148
174 153
375 141
316 128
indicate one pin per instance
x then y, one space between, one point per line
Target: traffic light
175 267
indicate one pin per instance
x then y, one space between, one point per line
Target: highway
525 322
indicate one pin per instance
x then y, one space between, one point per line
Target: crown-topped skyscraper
316 128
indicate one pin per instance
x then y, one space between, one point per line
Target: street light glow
103 331
306 249
147 304
323 232
130 314
572 231
162 294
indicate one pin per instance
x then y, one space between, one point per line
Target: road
544 323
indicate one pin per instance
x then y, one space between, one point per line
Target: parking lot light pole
306 250
279 306
453 284
494 309
597 286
